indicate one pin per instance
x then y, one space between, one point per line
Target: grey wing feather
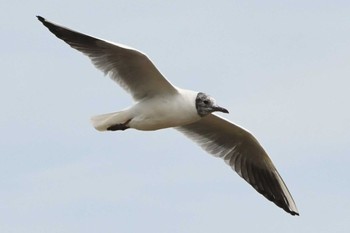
130 68
244 154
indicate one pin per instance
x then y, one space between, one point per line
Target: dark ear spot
202 102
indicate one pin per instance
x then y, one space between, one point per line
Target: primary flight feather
159 104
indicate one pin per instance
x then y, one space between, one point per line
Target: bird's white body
154 113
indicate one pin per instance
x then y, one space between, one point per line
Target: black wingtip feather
41 19
68 35
269 189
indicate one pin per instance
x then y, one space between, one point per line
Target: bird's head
205 105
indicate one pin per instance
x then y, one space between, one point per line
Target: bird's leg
122 126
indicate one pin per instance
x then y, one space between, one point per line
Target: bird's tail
104 121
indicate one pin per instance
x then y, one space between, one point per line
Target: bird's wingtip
41 19
294 213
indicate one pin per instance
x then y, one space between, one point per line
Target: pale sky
280 67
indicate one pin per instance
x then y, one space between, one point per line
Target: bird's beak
220 109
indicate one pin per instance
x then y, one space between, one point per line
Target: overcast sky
282 69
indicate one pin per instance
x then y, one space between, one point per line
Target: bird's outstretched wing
130 68
244 154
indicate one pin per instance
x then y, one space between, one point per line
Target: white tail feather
102 122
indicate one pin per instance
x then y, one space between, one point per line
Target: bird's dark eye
206 102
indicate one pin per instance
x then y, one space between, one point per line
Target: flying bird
159 104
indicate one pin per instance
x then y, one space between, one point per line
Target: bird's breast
159 113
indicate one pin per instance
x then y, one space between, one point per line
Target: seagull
159 104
